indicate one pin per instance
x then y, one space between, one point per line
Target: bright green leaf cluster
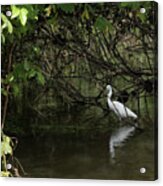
5 174
6 24
15 11
6 147
21 13
23 16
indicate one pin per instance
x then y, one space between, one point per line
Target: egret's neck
110 93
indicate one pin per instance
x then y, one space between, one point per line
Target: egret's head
108 87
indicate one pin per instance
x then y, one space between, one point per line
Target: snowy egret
118 108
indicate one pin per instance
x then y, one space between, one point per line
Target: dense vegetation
58 59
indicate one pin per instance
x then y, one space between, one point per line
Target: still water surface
84 158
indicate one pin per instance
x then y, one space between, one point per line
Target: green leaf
3 26
5 174
10 28
33 11
67 8
15 11
48 10
7 23
4 92
18 70
26 66
23 16
40 78
5 146
85 14
142 17
16 90
36 50
102 23
3 38
4 18
32 73
9 78
132 5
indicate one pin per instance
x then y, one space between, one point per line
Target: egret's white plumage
118 108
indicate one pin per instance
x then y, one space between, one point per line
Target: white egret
118 108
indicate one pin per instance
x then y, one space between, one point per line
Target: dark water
70 157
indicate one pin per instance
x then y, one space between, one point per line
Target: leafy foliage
23 16
17 74
6 24
6 145
15 11
6 149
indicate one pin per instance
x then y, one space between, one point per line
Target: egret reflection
119 137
